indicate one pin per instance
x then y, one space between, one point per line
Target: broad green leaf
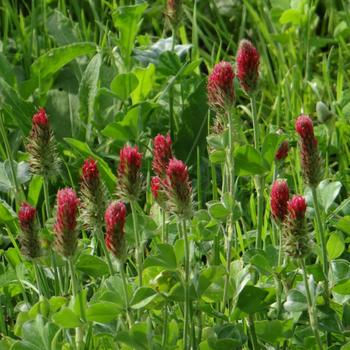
146 77
142 297
165 258
340 270
262 264
274 331
61 28
88 91
208 276
92 265
6 70
270 147
51 61
335 245
252 299
124 84
218 211
248 161
344 224
6 212
327 193
296 301
293 16
128 19
169 63
66 318
102 312
136 338
35 186
14 107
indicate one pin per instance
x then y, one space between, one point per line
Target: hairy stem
138 249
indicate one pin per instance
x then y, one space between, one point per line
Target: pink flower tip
161 153
279 199
26 215
40 118
130 157
220 85
90 170
282 151
248 60
67 209
177 171
304 127
115 217
297 207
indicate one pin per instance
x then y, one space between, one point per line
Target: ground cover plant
174 174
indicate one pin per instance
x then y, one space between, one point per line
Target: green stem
164 227
79 333
254 338
37 277
322 237
311 306
138 249
125 288
47 197
228 265
99 235
186 286
278 295
256 129
165 326
18 193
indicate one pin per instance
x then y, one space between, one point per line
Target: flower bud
93 194
220 88
115 220
66 222
310 157
282 151
162 153
296 240
248 60
179 188
279 198
29 238
173 12
129 173
41 146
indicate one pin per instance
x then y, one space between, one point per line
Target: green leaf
124 84
344 224
137 337
53 60
262 264
128 19
169 63
274 331
92 265
6 212
19 110
66 318
146 77
35 186
208 276
218 211
340 270
270 147
142 297
335 245
252 299
248 161
292 16
342 288
296 301
327 193
102 312
88 90
165 258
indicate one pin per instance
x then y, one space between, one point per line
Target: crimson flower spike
41 146
296 240
93 194
115 220
279 200
66 222
179 189
29 238
162 153
221 95
310 157
248 60
129 173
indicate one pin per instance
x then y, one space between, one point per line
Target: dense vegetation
174 174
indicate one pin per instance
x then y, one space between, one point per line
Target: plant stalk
186 287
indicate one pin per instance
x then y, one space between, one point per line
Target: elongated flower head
304 127
115 220
297 207
29 238
295 237
41 146
221 95
158 187
179 188
173 12
93 194
310 157
129 173
66 222
162 153
279 198
282 151
248 60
